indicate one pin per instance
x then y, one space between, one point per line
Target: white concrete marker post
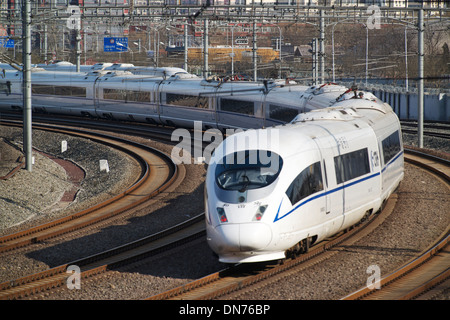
104 165
63 146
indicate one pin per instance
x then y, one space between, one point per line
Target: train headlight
222 215
259 213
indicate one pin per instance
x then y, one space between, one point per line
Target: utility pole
74 23
45 44
26 84
420 104
205 50
322 47
186 46
314 54
78 52
255 54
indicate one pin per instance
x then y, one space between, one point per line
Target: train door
333 215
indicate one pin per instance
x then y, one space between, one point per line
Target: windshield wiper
244 187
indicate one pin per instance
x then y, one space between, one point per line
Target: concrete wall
436 105
436 101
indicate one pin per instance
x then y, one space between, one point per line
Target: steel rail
442 135
239 277
430 267
99 263
427 270
150 183
440 166
236 278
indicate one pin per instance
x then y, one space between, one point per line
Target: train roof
288 139
62 66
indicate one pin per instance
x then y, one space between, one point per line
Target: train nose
245 236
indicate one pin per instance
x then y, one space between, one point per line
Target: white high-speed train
337 162
65 66
271 193
178 100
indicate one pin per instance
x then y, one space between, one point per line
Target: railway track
101 262
413 279
209 287
158 173
437 130
240 278
429 268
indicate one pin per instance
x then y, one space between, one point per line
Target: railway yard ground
42 193
421 215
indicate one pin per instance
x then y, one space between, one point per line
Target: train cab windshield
247 170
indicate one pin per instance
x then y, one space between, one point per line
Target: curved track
158 172
99 263
241 277
414 278
209 287
429 268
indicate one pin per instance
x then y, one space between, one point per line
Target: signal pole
26 84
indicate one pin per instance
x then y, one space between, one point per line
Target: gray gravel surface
420 216
33 196
432 144
26 195
173 207
418 212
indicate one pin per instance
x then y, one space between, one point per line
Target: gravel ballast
417 220
34 197
420 216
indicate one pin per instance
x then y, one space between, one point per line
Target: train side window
113 94
126 95
238 106
70 91
187 100
391 146
138 96
58 90
42 89
282 113
5 87
78 92
351 165
309 181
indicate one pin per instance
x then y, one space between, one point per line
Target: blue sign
115 44
6 43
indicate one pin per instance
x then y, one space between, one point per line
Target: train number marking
343 143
